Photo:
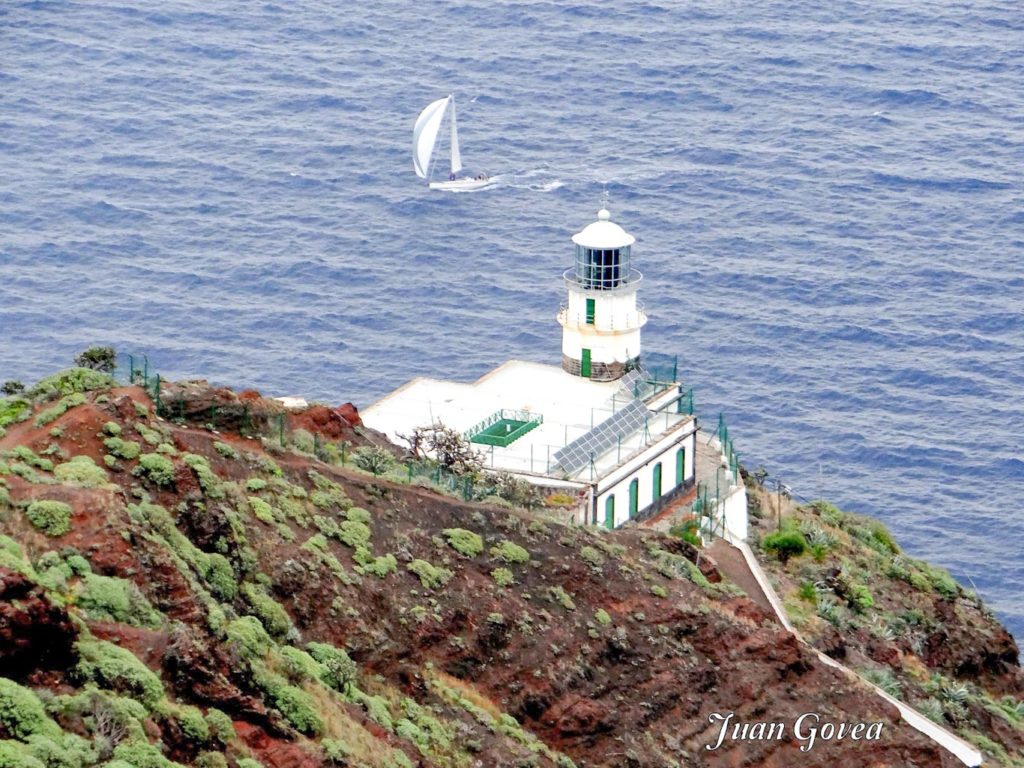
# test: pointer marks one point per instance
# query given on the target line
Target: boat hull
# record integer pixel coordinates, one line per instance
(461, 185)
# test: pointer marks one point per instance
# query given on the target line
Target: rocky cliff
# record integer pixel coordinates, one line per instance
(224, 585)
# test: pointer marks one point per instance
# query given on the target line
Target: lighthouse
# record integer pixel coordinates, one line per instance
(618, 438)
(601, 318)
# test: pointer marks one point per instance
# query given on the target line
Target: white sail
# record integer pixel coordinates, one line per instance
(424, 135)
(456, 156)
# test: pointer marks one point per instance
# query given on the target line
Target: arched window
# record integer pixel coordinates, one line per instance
(680, 465)
(609, 511)
(634, 497)
(656, 482)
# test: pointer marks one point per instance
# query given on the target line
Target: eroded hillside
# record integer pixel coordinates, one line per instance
(176, 592)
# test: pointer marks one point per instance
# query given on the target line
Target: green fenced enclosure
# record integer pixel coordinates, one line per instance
(504, 427)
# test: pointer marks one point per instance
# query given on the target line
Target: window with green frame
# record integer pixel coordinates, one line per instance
(590, 311)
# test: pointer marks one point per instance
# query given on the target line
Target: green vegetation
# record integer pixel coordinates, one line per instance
(431, 576)
(51, 517)
(159, 469)
(560, 596)
(503, 577)
(464, 542)
(225, 450)
(107, 598)
(339, 671)
(510, 552)
(63, 405)
(267, 610)
(70, 381)
(122, 449)
(592, 556)
(373, 459)
(81, 471)
(785, 544)
(22, 714)
(381, 566)
(102, 359)
(601, 617)
(118, 669)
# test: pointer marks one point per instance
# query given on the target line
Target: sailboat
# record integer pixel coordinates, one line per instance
(424, 141)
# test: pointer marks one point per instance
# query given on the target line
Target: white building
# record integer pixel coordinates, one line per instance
(600, 427)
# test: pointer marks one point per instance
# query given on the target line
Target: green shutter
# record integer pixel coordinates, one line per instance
(590, 311)
(585, 364)
(656, 482)
(680, 465)
(609, 512)
(634, 497)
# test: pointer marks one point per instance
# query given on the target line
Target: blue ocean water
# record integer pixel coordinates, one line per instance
(827, 198)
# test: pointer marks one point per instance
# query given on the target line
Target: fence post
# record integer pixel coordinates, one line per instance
(145, 375)
(246, 421)
(156, 394)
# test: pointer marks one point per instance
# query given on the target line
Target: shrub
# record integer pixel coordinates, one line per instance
(208, 479)
(123, 449)
(431, 576)
(592, 556)
(28, 456)
(785, 544)
(299, 665)
(687, 531)
(354, 533)
(261, 509)
(118, 669)
(69, 381)
(602, 617)
(16, 755)
(658, 591)
(13, 409)
(103, 359)
(339, 669)
(63, 406)
(860, 598)
(297, 706)
(373, 459)
(107, 598)
(560, 596)
(382, 566)
(220, 576)
(510, 552)
(51, 517)
(112, 428)
(464, 542)
(358, 515)
(808, 592)
(225, 450)
(248, 762)
(189, 719)
(211, 760)
(220, 725)
(502, 577)
(268, 610)
(12, 387)
(22, 714)
(255, 484)
(249, 637)
(159, 469)
(81, 470)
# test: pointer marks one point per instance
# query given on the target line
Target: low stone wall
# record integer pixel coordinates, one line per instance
(599, 371)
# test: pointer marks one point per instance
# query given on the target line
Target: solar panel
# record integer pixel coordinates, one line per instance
(636, 383)
(577, 454)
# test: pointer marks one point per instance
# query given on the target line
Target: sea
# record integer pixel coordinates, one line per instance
(827, 199)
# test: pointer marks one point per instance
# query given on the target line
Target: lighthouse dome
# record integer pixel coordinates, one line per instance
(603, 233)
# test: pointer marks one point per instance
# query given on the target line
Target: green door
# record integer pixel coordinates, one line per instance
(634, 497)
(680, 465)
(590, 311)
(609, 512)
(656, 482)
(585, 364)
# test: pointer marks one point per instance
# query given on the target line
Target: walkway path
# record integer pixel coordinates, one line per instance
(737, 561)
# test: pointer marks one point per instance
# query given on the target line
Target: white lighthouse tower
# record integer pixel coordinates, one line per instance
(601, 318)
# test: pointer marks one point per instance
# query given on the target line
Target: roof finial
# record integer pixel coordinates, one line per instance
(603, 214)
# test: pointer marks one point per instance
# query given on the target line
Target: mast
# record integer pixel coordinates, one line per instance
(456, 155)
